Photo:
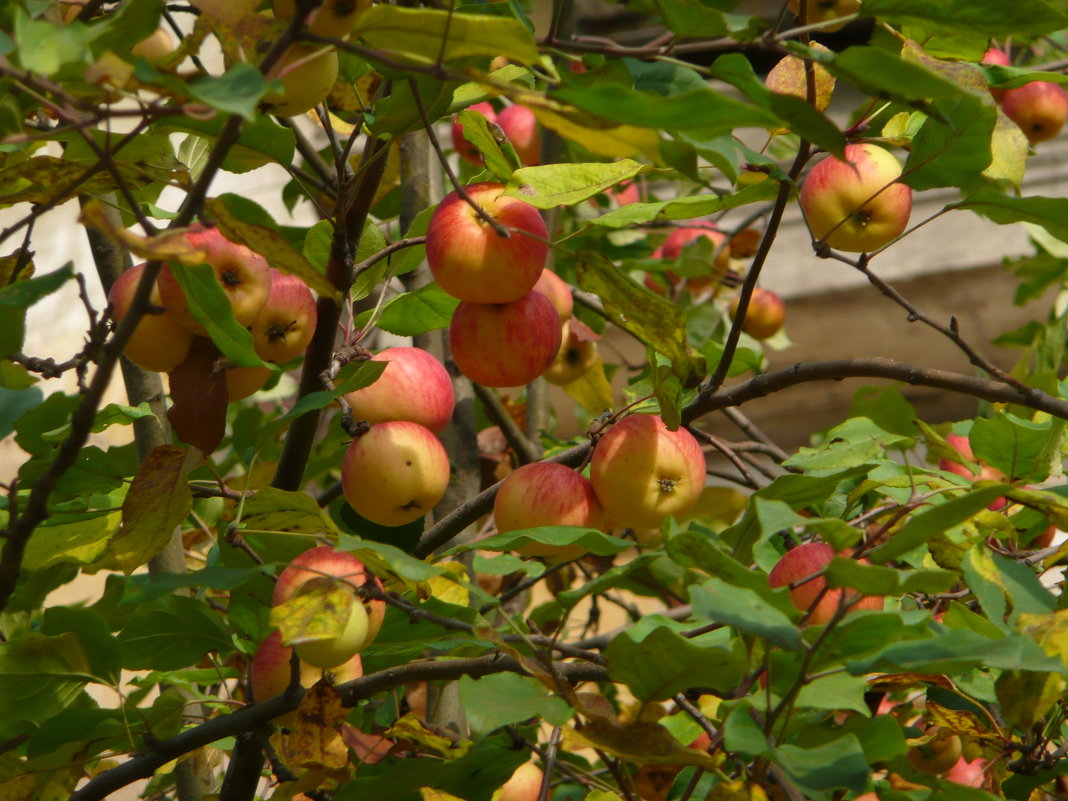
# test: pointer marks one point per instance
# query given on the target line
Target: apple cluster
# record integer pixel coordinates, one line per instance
(640, 473)
(278, 309)
(1040, 108)
(398, 471)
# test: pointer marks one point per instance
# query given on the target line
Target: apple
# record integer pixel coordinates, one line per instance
(765, 316)
(326, 560)
(244, 275)
(937, 756)
(856, 205)
(467, 257)
(285, 325)
(524, 785)
(576, 357)
(505, 344)
(642, 472)
(804, 561)
(330, 652)
(986, 472)
(160, 342)
(824, 11)
(674, 246)
(967, 773)
(521, 127)
(558, 291)
(336, 18)
(1043, 540)
(269, 672)
(414, 386)
(996, 55)
(307, 73)
(395, 473)
(546, 494)
(241, 382)
(464, 149)
(155, 47)
(1039, 108)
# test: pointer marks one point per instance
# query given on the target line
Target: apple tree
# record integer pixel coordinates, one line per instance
(339, 541)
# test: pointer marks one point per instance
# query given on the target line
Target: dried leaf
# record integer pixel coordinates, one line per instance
(199, 398)
(320, 610)
(316, 741)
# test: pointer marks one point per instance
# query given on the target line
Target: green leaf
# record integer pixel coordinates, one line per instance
(1022, 449)
(886, 407)
(596, 542)
(924, 526)
(839, 763)
(40, 675)
(499, 160)
(418, 33)
(685, 208)
(209, 304)
(854, 441)
(14, 404)
(44, 48)
(425, 309)
(171, 633)
(384, 560)
(691, 549)
(1026, 18)
(502, 698)
(237, 91)
(954, 150)
(664, 663)
(835, 691)
(745, 610)
(80, 543)
(742, 735)
(262, 141)
(554, 185)
(273, 509)
(98, 643)
(143, 587)
(613, 577)
(112, 414)
(23, 294)
(649, 317)
(879, 580)
(1046, 212)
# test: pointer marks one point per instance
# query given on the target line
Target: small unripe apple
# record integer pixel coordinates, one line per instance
(521, 127)
(1039, 108)
(505, 344)
(996, 55)
(335, 18)
(467, 257)
(414, 386)
(824, 11)
(765, 315)
(642, 472)
(243, 274)
(576, 357)
(546, 494)
(936, 756)
(557, 290)
(160, 342)
(856, 205)
(307, 73)
(395, 473)
(525, 784)
(325, 560)
(804, 561)
(464, 149)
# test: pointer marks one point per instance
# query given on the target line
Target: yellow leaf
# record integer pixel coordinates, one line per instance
(641, 743)
(600, 136)
(315, 741)
(448, 587)
(434, 794)
(319, 611)
(592, 390)
(410, 727)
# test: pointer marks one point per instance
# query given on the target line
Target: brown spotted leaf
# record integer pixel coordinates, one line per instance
(159, 499)
(788, 78)
(199, 397)
(1026, 696)
(639, 742)
(441, 741)
(315, 741)
(320, 610)
(43, 178)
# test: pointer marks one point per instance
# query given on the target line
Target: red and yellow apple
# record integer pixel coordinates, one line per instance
(521, 127)
(807, 560)
(470, 261)
(576, 357)
(414, 386)
(938, 755)
(558, 291)
(675, 245)
(996, 55)
(285, 325)
(241, 382)
(765, 315)
(986, 472)
(505, 344)
(856, 205)
(307, 73)
(243, 274)
(524, 785)
(546, 494)
(1039, 108)
(160, 342)
(642, 472)
(395, 473)
(464, 149)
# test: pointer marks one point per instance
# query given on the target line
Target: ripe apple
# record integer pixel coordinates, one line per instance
(241, 382)
(155, 47)
(546, 494)
(576, 357)
(1039, 108)
(674, 245)
(330, 652)
(804, 561)
(856, 205)
(270, 672)
(642, 472)
(996, 55)
(521, 127)
(307, 73)
(244, 275)
(505, 344)
(326, 560)
(825, 10)
(160, 342)
(936, 756)
(464, 149)
(765, 316)
(986, 472)
(525, 784)
(336, 18)
(967, 773)
(414, 386)
(558, 291)
(395, 473)
(285, 325)
(470, 261)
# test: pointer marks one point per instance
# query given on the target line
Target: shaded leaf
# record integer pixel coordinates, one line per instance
(503, 698)
(171, 633)
(664, 663)
(745, 610)
(552, 185)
